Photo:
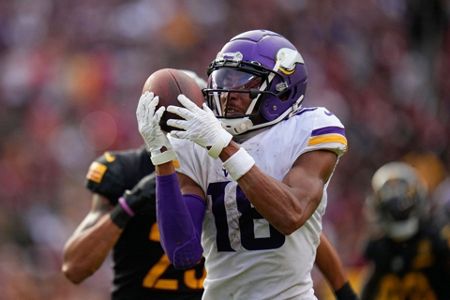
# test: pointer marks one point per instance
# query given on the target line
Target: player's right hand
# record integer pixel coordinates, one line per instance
(140, 200)
(155, 139)
(199, 125)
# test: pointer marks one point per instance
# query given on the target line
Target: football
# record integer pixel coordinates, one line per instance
(168, 84)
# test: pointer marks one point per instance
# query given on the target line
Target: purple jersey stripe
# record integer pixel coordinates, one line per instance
(327, 130)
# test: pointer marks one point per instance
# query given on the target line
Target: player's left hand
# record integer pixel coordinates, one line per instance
(140, 200)
(155, 139)
(200, 126)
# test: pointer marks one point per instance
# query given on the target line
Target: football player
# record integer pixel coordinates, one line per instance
(254, 169)
(410, 256)
(108, 177)
(141, 269)
(123, 219)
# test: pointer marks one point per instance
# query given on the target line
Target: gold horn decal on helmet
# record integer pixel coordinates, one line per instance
(288, 59)
(287, 72)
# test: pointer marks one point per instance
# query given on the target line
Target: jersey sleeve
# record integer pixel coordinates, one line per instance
(327, 133)
(106, 177)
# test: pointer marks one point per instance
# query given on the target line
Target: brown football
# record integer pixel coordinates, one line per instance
(168, 84)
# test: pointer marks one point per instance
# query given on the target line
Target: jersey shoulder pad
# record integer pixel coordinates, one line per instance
(106, 176)
(327, 131)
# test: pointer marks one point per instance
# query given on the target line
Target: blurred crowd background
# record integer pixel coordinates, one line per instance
(71, 73)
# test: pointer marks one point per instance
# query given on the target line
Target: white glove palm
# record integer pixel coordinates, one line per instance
(200, 126)
(148, 122)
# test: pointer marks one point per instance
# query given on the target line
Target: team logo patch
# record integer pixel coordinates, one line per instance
(96, 172)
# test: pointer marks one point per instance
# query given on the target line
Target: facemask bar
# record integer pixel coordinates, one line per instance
(236, 126)
(213, 94)
(225, 82)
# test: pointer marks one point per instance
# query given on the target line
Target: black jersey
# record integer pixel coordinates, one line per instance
(141, 269)
(417, 268)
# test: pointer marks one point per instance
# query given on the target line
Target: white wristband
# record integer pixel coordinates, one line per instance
(158, 158)
(239, 164)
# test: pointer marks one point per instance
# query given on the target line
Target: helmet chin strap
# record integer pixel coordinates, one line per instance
(286, 60)
(238, 126)
(296, 106)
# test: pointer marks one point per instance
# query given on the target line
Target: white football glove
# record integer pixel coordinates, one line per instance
(200, 126)
(148, 122)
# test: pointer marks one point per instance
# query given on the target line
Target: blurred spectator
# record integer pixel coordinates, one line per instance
(72, 72)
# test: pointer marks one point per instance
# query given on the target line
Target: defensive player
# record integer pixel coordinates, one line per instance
(125, 221)
(410, 257)
(253, 180)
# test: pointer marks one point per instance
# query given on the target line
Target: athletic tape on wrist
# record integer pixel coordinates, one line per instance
(346, 293)
(215, 150)
(123, 203)
(161, 158)
(239, 164)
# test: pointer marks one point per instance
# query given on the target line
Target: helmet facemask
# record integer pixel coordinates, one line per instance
(233, 93)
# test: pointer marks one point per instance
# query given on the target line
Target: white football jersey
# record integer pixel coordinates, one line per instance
(246, 257)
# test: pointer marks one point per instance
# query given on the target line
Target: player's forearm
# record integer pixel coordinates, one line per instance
(273, 200)
(86, 250)
(329, 264)
(285, 208)
(286, 204)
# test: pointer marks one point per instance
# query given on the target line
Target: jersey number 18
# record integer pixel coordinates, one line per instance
(248, 215)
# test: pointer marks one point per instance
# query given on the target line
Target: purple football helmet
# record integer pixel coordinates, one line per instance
(268, 69)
